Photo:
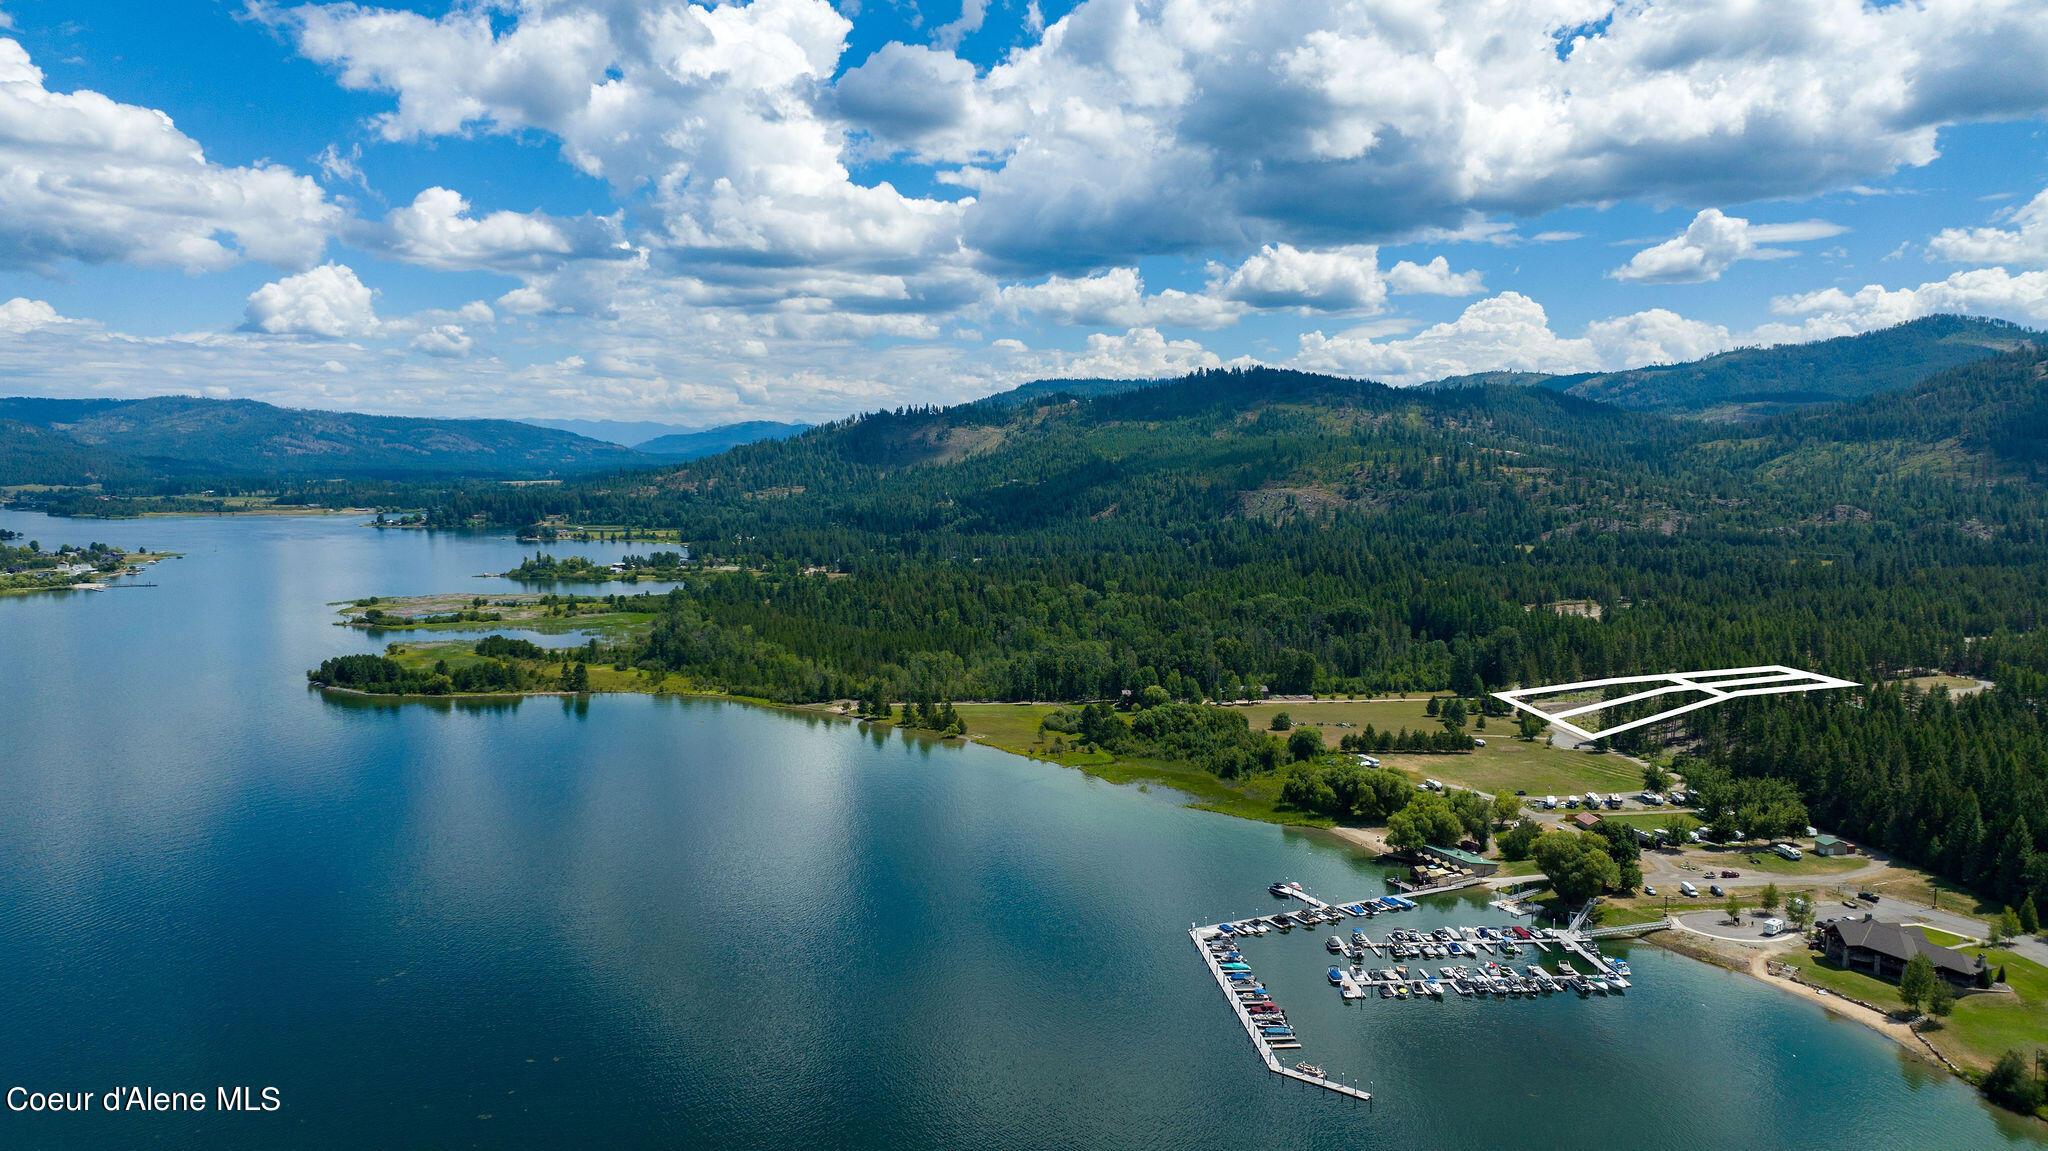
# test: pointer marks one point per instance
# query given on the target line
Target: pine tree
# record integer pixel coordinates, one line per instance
(1917, 983)
(2030, 919)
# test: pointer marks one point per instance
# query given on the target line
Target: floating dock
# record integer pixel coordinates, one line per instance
(1202, 937)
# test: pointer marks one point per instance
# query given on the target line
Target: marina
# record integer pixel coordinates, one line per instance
(1477, 962)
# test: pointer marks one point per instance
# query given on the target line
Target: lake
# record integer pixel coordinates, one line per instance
(639, 922)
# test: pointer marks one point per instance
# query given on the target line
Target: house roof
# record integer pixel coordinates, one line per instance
(1825, 840)
(1464, 857)
(1585, 819)
(1902, 941)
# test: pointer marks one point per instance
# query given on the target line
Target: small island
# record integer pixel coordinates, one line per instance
(26, 568)
(660, 565)
(549, 613)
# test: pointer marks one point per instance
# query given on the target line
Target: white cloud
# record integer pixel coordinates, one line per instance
(325, 301)
(1511, 332)
(1982, 291)
(1116, 298)
(1337, 280)
(21, 315)
(1714, 241)
(1157, 127)
(85, 178)
(444, 340)
(972, 13)
(342, 169)
(2025, 243)
(713, 113)
(1657, 336)
(1433, 279)
(1138, 354)
(437, 230)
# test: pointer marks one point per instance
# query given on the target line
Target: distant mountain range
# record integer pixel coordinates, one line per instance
(86, 441)
(711, 441)
(1759, 381)
(625, 433)
(83, 441)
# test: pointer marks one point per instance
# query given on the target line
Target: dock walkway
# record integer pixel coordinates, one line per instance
(1201, 936)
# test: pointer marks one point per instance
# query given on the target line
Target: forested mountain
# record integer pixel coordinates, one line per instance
(86, 441)
(1078, 388)
(711, 441)
(1750, 381)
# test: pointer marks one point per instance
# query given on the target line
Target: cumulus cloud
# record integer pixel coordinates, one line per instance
(1433, 279)
(1157, 127)
(2024, 243)
(1511, 332)
(1712, 242)
(1116, 298)
(325, 301)
(85, 178)
(444, 340)
(21, 315)
(1343, 279)
(437, 230)
(972, 12)
(1982, 291)
(1138, 354)
(713, 113)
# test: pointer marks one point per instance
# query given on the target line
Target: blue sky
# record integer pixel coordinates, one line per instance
(648, 209)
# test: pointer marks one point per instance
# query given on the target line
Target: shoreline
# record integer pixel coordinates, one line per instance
(1752, 964)
(1755, 964)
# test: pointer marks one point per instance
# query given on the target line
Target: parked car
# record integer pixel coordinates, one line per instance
(1477, 742)
(1649, 889)
(1731, 875)
(1870, 896)
(1715, 888)
(1519, 791)
(1688, 889)
(1848, 903)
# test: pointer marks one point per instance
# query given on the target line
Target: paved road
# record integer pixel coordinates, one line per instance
(1750, 930)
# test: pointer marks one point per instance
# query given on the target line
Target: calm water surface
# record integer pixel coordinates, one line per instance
(640, 922)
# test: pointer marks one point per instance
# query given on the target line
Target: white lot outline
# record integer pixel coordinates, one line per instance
(1722, 684)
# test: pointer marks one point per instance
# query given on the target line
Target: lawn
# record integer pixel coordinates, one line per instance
(1506, 763)
(1984, 1023)
(1944, 938)
(1771, 863)
(1915, 887)
(1953, 683)
(1013, 727)
(1651, 820)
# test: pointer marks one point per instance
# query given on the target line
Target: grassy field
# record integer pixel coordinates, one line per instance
(1953, 683)
(1916, 887)
(518, 612)
(1944, 938)
(1013, 727)
(1984, 1023)
(1651, 820)
(1770, 863)
(1506, 763)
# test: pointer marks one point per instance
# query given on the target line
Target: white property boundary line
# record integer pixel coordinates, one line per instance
(1726, 683)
